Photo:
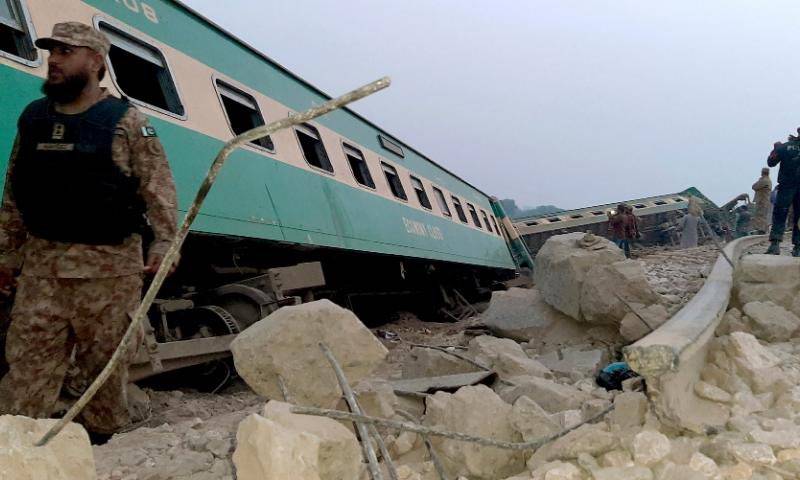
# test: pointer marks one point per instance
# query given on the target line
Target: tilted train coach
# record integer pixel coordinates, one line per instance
(336, 208)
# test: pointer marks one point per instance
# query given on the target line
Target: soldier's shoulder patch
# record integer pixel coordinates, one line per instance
(149, 131)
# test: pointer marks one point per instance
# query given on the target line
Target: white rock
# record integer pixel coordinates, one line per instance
(265, 449)
(68, 456)
(771, 322)
(567, 361)
(632, 327)
(427, 362)
(521, 314)
(376, 398)
(606, 283)
(629, 410)
(703, 464)
(650, 447)
(753, 453)
(740, 471)
(568, 418)
(588, 439)
(749, 356)
(561, 266)
(506, 357)
(339, 451)
(286, 344)
(457, 412)
(551, 396)
(616, 458)
(783, 438)
(761, 278)
(531, 420)
(711, 392)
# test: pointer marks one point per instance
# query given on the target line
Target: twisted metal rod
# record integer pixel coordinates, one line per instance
(462, 437)
(362, 427)
(194, 209)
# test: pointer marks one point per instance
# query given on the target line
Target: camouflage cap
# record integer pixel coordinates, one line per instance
(76, 34)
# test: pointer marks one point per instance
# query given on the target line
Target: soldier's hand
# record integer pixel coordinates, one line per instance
(7, 281)
(154, 262)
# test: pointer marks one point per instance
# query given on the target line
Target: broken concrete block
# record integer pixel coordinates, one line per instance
(650, 447)
(521, 314)
(632, 327)
(265, 449)
(711, 392)
(506, 357)
(568, 361)
(606, 283)
(753, 453)
(561, 266)
(286, 344)
(551, 396)
(339, 451)
(427, 362)
(457, 412)
(531, 420)
(771, 322)
(629, 410)
(68, 456)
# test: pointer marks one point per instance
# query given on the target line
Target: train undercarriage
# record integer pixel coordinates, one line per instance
(223, 285)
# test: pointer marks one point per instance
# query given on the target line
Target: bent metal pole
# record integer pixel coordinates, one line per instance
(191, 214)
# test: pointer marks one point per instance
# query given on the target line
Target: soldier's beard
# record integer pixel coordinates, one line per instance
(68, 90)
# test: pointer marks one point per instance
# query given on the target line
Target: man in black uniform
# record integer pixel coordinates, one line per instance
(788, 156)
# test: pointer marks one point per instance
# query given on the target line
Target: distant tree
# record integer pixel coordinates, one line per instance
(510, 206)
(514, 211)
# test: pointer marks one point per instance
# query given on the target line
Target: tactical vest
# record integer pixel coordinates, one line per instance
(65, 182)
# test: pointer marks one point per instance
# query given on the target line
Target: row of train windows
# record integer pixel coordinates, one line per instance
(141, 73)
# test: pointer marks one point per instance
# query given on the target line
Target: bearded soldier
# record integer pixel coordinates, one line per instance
(87, 174)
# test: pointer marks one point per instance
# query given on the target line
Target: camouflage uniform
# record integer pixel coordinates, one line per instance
(78, 296)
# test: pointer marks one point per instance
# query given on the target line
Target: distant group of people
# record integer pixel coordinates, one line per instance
(623, 227)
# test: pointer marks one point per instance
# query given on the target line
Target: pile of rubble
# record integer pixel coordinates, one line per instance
(530, 392)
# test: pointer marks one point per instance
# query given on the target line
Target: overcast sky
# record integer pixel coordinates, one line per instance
(565, 102)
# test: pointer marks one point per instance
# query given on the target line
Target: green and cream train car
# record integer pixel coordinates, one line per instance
(337, 208)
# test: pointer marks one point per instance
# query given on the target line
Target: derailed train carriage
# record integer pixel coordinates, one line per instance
(658, 219)
(335, 208)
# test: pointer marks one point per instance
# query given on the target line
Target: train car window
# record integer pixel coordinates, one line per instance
(422, 195)
(442, 202)
(242, 112)
(141, 71)
(486, 221)
(474, 214)
(391, 146)
(358, 165)
(459, 209)
(394, 181)
(496, 227)
(313, 148)
(15, 35)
